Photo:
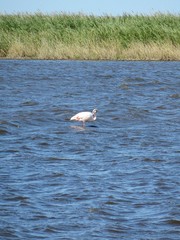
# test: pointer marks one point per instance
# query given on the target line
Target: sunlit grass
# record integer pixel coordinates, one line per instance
(68, 36)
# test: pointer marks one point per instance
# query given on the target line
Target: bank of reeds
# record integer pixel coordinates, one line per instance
(69, 36)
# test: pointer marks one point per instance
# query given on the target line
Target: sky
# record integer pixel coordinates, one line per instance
(95, 7)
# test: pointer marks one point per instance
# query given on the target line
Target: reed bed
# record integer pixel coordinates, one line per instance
(71, 36)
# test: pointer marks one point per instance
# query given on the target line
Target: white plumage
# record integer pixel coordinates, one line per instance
(85, 117)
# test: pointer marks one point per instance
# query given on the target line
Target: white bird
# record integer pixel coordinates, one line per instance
(85, 117)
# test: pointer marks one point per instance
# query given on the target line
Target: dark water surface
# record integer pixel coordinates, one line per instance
(116, 179)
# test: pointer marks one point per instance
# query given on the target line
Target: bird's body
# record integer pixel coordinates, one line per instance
(85, 116)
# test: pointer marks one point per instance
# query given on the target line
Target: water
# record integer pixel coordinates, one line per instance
(117, 178)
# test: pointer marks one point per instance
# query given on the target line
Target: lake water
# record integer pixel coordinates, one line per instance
(117, 178)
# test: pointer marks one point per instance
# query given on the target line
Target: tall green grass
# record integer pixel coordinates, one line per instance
(64, 36)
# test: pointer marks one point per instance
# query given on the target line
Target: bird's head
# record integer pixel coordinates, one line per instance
(94, 111)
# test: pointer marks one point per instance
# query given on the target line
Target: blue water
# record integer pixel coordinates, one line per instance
(117, 178)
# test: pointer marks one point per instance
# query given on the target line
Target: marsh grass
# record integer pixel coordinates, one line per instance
(69, 36)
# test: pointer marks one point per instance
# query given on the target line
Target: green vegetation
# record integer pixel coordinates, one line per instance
(68, 36)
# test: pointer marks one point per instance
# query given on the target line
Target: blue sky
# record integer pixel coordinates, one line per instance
(96, 7)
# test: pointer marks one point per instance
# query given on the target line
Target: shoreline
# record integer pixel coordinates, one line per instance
(84, 60)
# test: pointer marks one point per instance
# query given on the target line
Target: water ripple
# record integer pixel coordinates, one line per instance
(117, 178)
